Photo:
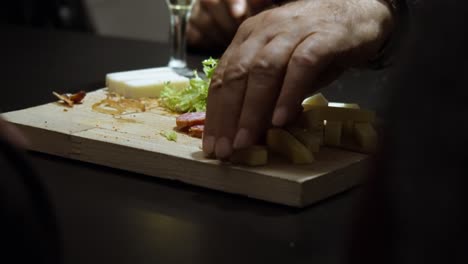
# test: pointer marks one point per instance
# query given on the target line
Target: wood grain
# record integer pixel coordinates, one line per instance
(133, 142)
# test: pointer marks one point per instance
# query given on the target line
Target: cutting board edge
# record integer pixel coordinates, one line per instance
(72, 146)
(337, 182)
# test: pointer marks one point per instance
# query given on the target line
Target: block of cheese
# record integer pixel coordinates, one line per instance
(114, 80)
(152, 86)
(144, 83)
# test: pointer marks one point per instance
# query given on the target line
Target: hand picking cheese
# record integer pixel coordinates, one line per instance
(252, 156)
(144, 83)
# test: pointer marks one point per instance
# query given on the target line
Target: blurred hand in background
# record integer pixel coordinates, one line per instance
(213, 23)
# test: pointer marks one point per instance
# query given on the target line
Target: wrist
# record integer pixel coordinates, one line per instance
(386, 53)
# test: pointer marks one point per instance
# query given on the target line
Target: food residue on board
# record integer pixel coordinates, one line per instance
(115, 104)
(70, 99)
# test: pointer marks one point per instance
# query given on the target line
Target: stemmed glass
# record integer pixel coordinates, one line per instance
(179, 12)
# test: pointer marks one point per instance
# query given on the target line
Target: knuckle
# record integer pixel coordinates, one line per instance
(216, 82)
(235, 72)
(264, 66)
(305, 59)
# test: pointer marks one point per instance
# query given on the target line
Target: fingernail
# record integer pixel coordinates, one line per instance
(280, 116)
(223, 148)
(208, 145)
(242, 139)
(238, 9)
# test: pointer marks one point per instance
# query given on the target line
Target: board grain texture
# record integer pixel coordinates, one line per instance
(134, 142)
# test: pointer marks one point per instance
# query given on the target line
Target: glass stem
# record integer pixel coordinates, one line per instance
(178, 38)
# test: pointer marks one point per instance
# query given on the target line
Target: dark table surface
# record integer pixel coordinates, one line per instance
(112, 216)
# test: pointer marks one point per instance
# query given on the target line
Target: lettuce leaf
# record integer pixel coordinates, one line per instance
(169, 135)
(193, 98)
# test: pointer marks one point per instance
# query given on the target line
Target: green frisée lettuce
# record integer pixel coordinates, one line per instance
(169, 135)
(193, 98)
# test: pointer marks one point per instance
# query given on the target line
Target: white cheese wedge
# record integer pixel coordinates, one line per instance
(144, 83)
(151, 87)
(114, 80)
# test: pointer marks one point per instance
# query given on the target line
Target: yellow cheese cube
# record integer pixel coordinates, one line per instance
(317, 113)
(332, 133)
(310, 140)
(251, 156)
(366, 136)
(314, 100)
(282, 142)
(348, 127)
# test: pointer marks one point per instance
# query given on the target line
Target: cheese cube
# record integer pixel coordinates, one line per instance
(366, 136)
(332, 133)
(251, 156)
(314, 100)
(317, 113)
(310, 140)
(282, 142)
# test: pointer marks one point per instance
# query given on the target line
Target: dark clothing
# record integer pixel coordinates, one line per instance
(415, 210)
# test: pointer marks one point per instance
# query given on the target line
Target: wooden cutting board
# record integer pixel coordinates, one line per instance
(133, 142)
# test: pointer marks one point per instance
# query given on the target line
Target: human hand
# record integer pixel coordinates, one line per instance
(11, 134)
(213, 23)
(278, 57)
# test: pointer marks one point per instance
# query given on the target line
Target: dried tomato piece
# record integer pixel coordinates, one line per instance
(190, 119)
(196, 131)
(71, 99)
(78, 97)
